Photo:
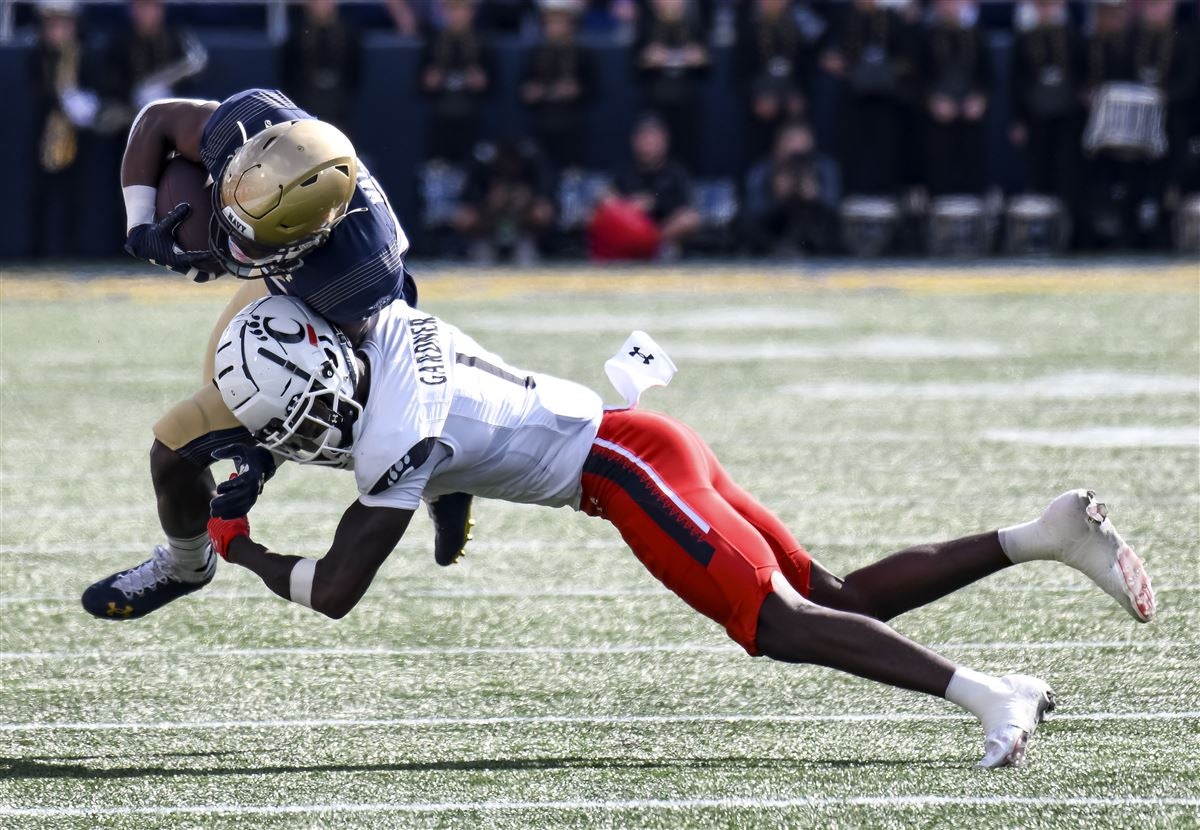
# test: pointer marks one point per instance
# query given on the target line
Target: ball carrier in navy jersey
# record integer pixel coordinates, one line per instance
(296, 213)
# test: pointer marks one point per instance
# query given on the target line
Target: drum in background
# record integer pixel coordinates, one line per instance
(1128, 120)
(869, 225)
(959, 226)
(1187, 225)
(1035, 225)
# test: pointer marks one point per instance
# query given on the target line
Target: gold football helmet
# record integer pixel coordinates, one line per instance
(280, 195)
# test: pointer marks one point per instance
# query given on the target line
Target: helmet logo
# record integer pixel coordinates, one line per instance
(233, 219)
(287, 337)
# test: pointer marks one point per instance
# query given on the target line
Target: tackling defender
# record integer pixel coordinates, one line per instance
(421, 410)
(295, 212)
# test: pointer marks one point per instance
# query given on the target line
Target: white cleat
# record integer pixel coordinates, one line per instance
(1079, 533)
(1010, 728)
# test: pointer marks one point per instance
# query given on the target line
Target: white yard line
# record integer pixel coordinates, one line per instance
(551, 594)
(609, 805)
(1068, 386)
(1091, 437)
(552, 720)
(599, 650)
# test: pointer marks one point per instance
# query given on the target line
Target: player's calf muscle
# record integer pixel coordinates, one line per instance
(183, 491)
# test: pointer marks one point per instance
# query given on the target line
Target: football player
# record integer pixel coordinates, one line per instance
(295, 212)
(421, 410)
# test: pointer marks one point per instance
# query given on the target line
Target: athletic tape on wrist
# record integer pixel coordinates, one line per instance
(139, 205)
(301, 582)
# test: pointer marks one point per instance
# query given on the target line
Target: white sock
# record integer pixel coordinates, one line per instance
(191, 556)
(1025, 542)
(976, 692)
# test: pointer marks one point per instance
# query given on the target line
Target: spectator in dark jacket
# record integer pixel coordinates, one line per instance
(558, 82)
(1128, 194)
(62, 112)
(1046, 115)
(868, 51)
(672, 58)
(791, 195)
(456, 75)
(1167, 57)
(955, 79)
(659, 185)
(322, 63)
(151, 60)
(774, 62)
(507, 202)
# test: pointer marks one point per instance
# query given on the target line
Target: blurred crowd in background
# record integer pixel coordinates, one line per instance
(1103, 110)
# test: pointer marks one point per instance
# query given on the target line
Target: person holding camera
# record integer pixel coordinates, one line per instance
(867, 52)
(456, 75)
(791, 196)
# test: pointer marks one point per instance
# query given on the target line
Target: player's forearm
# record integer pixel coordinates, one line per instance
(275, 570)
(331, 591)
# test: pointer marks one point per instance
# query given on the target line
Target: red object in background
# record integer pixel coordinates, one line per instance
(619, 229)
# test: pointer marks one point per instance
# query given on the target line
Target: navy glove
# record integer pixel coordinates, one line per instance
(155, 243)
(452, 525)
(255, 466)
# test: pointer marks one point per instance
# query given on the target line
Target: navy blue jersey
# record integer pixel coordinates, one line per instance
(361, 268)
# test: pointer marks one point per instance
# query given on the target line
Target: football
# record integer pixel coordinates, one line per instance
(186, 181)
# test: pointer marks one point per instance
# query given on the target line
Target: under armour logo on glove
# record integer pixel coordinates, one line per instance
(637, 352)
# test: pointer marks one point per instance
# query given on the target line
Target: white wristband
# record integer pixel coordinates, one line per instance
(301, 582)
(139, 205)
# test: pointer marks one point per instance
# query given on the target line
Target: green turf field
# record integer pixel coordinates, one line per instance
(548, 680)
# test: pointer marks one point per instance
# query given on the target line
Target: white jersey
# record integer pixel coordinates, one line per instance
(443, 415)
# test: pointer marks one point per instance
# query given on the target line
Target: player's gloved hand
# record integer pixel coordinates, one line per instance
(222, 532)
(452, 525)
(155, 243)
(255, 465)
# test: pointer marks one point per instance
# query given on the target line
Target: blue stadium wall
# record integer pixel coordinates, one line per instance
(389, 125)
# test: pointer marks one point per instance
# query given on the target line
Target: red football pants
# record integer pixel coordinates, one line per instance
(700, 534)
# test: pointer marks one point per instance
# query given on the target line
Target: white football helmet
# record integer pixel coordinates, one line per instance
(289, 377)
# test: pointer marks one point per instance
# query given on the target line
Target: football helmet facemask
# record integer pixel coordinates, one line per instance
(289, 377)
(280, 195)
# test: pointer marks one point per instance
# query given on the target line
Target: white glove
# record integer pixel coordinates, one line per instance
(80, 106)
(149, 92)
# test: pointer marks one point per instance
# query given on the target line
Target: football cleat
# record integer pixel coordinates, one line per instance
(1009, 729)
(1081, 535)
(452, 525)
(149, 586)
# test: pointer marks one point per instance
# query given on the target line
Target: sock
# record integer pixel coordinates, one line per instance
(1024, 542)
(191, 556)
(978, 693)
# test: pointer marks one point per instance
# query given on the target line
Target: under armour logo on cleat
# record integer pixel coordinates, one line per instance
(637, 352)
(114, 611)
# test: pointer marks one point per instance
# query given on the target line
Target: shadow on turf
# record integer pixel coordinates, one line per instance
(51, 767)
